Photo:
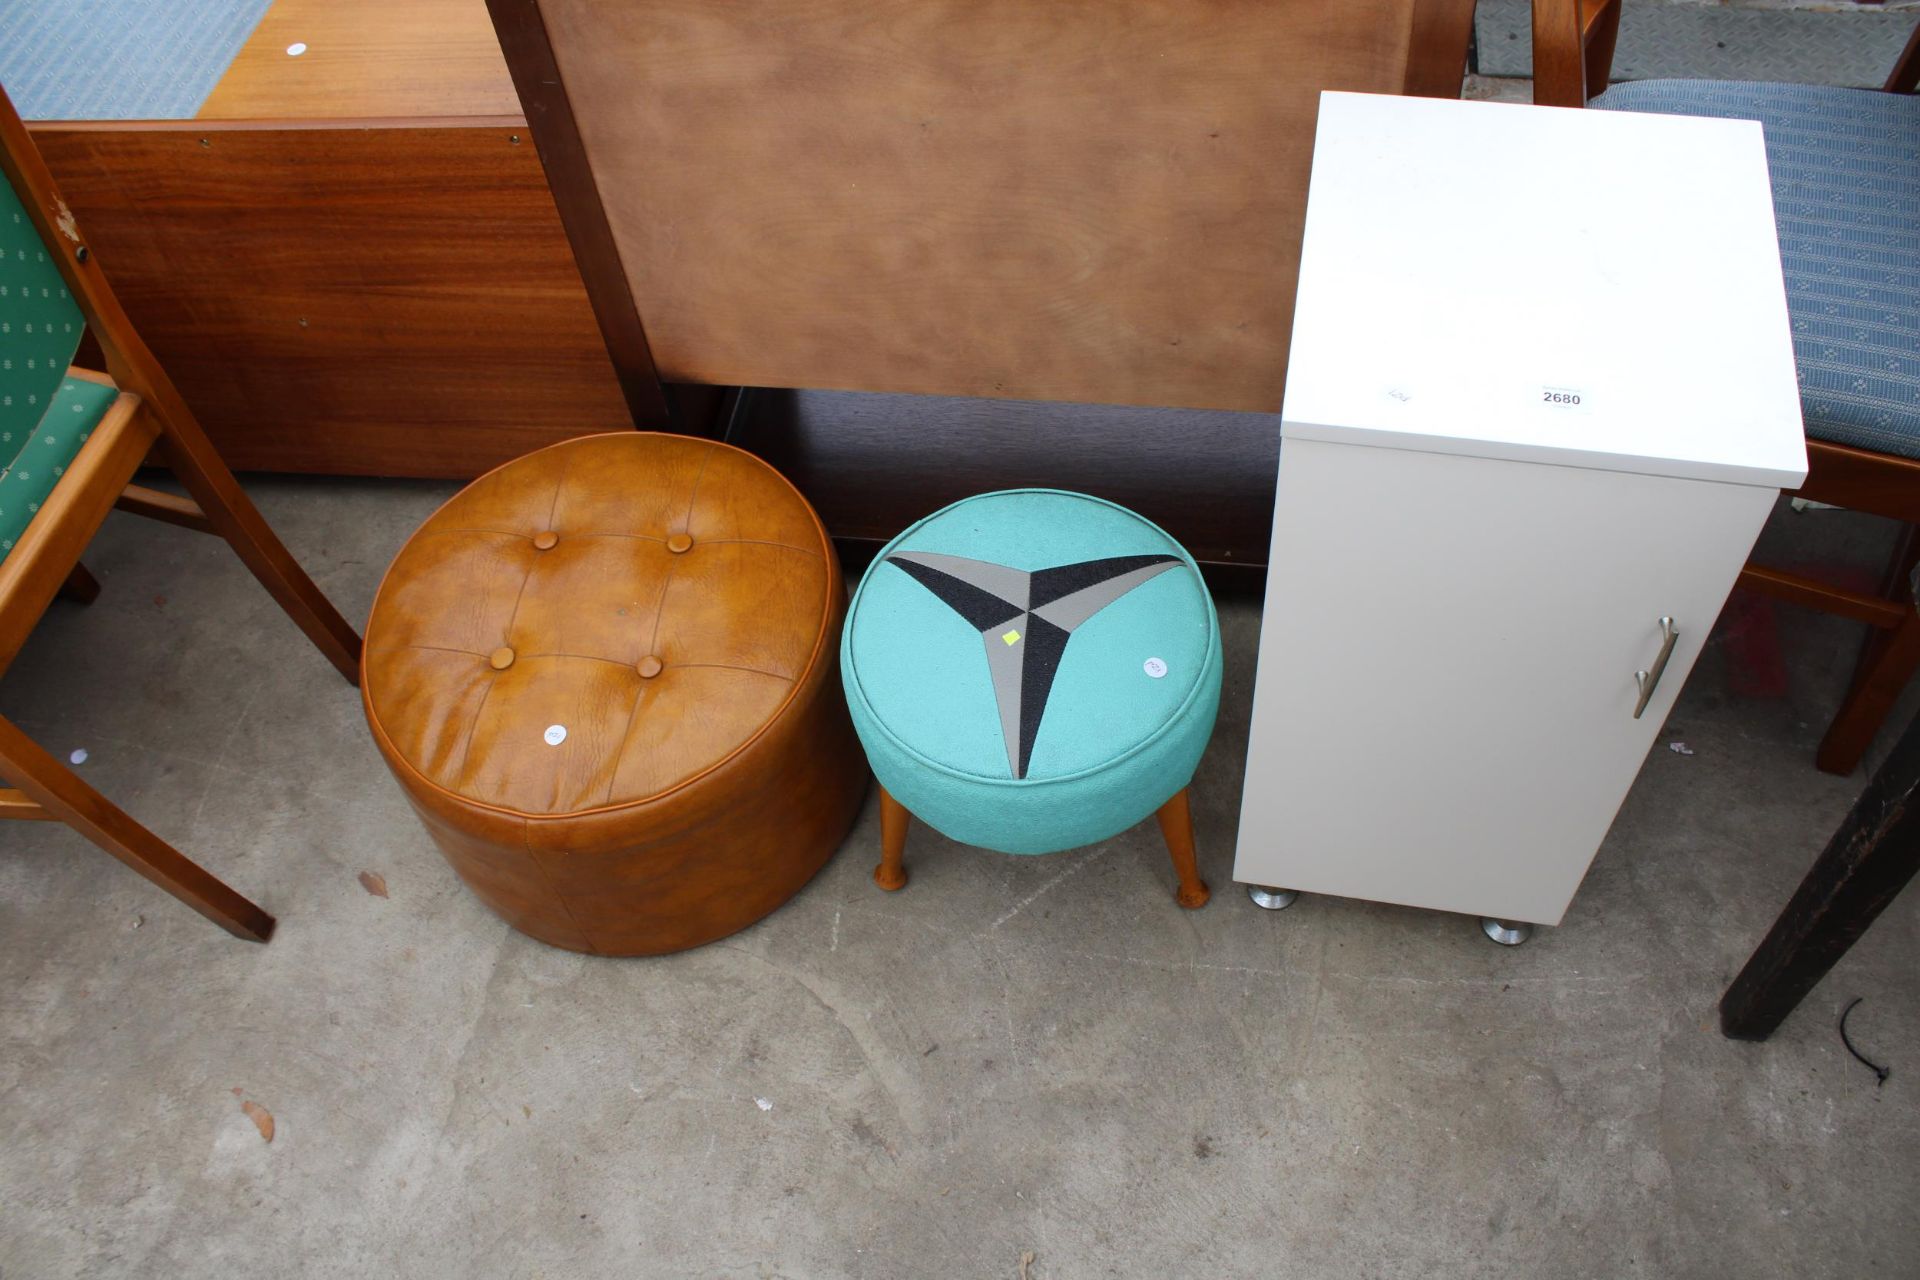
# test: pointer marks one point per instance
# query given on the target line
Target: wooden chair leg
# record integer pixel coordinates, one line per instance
(1868, 861)
(1176, 826)
(1876, 686)
(234, 517)
(60, 792)
(81, 587)
(890, 875)
(1888, 660)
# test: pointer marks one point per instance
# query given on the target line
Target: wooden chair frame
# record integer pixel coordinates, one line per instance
(147, 416)
(1573, 42)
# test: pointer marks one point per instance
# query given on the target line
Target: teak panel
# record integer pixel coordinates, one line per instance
(536, 78)
(367, 58)
(389, 300)
(1098, 202)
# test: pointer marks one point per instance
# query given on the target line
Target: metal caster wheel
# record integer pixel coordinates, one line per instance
(1508, 933)
(1272, 899)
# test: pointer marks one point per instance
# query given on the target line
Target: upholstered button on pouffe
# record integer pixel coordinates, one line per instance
(1030, 671)
(606, 677)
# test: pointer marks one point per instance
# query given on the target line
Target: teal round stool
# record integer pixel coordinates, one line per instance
(1031, 671)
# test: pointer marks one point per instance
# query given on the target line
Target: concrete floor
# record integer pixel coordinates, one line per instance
(1013, 1056)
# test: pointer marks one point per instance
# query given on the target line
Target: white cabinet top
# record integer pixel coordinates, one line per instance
(1592, 288)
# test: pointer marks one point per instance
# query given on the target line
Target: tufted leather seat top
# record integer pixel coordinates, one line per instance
(597, 624)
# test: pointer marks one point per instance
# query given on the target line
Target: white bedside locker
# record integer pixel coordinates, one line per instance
(1540, 401)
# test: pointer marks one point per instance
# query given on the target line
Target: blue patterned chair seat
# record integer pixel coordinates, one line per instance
(1846, 198)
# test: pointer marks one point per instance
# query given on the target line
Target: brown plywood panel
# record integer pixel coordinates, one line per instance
(350, 300)
(366, 59)
(1092, 202)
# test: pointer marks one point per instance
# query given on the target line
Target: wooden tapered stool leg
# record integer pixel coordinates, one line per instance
(890, 875)
(60, 792)
(1176, 826)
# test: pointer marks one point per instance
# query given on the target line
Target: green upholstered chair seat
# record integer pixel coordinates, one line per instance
(45, 416)
(1032, 670)
(34, 459)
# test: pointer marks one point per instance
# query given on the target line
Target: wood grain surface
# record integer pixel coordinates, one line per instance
(367, 58)
(1862, 480)
(523, 37)
(1097, 203)
(1561, 67)
(391, 300)
(1437, 51)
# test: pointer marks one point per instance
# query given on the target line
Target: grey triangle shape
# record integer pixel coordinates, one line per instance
(1004, 664)
(1069, 611)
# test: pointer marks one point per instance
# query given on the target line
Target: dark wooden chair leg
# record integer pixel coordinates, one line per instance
(81, 587)
(1176, 826)
(890, 875)
(56, 789)
(234, 517)
(1867, 862)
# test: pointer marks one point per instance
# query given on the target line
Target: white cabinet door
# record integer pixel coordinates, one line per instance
(1444, 715)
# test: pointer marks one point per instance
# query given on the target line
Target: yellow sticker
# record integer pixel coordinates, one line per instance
(1012, 637)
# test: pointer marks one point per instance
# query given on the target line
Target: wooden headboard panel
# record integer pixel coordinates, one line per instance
(1093, 201)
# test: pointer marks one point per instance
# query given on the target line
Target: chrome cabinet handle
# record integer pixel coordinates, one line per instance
(1650, 680)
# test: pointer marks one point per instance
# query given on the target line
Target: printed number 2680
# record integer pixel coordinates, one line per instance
(1561, 397)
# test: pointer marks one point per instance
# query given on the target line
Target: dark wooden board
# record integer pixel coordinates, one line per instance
(874, 463)
(1870, 859)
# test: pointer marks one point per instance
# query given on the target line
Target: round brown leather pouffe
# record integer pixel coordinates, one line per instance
(606, 676)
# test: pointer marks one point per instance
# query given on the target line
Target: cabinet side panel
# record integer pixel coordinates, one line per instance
(1444, 714)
